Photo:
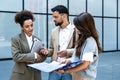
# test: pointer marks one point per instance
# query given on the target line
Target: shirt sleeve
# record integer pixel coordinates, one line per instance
(89, 49)
(88, 57)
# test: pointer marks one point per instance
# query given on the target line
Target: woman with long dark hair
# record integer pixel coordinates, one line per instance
(87, 49)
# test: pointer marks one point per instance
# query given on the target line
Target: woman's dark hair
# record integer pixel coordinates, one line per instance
(85, 24)
(20, 17)
(60, 9)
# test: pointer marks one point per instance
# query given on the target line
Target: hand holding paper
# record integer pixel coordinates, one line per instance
(47, 67)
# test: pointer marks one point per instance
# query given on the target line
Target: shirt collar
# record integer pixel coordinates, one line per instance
(28, 37)
(67, 27)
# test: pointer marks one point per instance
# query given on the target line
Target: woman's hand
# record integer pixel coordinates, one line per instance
(62, 53)
(66, 61)
(60, 71)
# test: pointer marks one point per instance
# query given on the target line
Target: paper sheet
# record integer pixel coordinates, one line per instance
(47, 67)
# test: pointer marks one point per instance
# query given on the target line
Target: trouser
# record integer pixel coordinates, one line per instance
(58, 76)
(76, 76)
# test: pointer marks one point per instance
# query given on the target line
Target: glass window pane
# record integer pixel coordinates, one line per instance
(51, 25)
(119, 34)
(98, 24)
(37, 6)
(76, 6)
(95, 7)
(110, 34)
(8, 28)
(40, 27)
(53, 3)
(119, 8)
(110, 8)
(71, 19)
(11, 5)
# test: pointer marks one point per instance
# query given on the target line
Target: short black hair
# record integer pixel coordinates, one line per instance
(60, 9)
(23, 15)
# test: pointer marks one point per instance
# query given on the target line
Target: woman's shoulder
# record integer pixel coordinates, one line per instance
(91, 40)
(16, 36)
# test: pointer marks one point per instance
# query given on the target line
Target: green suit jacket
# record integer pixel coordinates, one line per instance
(22, 56)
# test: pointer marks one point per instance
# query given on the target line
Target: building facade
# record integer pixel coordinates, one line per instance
(106, 14)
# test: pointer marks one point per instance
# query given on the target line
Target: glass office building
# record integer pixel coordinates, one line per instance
(106, 14)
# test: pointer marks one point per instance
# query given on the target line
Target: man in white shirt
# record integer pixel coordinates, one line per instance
(61, 41)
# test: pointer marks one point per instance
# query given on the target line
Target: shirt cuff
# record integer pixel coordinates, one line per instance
(35, 55)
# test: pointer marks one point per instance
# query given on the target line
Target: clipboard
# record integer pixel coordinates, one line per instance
(36, 46)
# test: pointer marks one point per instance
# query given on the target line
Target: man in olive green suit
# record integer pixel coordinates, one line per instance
(21, 49)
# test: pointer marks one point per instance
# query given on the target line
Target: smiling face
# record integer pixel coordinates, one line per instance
(28, 27)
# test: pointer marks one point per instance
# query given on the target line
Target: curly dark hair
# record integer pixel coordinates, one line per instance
(20, 17)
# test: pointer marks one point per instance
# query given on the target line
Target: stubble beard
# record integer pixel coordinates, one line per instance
(59, 24)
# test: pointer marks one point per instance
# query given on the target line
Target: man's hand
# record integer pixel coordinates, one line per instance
(62, 53)
(44, 51)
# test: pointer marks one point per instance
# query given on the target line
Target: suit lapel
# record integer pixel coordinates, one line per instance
(24, 42)
(71, 34)
(57, 37)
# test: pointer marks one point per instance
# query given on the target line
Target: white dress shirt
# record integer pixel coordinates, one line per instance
(30, 42)
(64, 35)
(29, 39)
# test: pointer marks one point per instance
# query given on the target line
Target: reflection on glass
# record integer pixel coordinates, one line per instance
(98, 24)
(40, 27)
(8, 28)
(53, 3)
(95, 7)
(76, 6)
(119, 8)
(71, 19)
(119, 34)
(37, 6)
(51, 25)
(110, 36)
(110, 8)
(11, 5)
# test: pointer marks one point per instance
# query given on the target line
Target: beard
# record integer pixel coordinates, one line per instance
(59, 24)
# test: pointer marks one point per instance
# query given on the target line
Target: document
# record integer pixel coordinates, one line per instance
(47, 67)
